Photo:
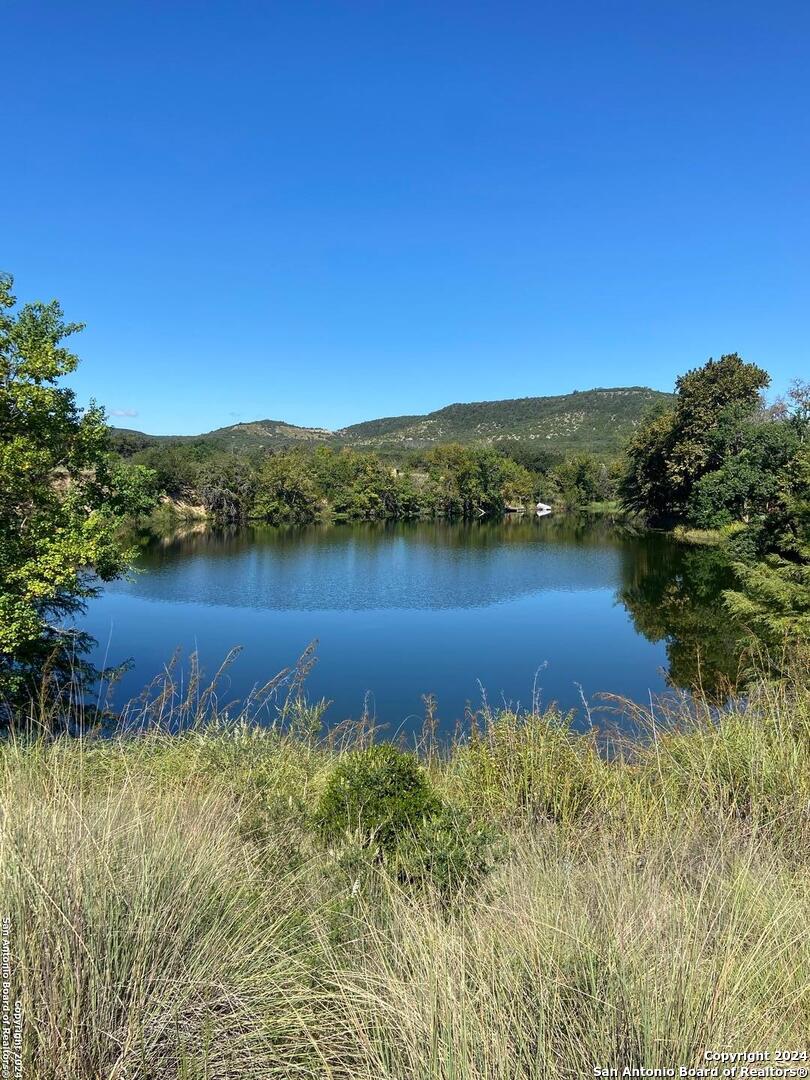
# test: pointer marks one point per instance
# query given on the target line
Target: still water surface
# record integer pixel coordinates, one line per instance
(402, 610)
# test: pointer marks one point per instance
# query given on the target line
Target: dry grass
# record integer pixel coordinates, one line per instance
(598, 957)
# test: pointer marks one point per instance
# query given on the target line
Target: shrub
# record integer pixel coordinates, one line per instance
(450, 853)
(380, 794)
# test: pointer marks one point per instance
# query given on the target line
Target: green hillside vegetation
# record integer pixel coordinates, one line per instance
(256, 435)
(465, 460)
(597, 421)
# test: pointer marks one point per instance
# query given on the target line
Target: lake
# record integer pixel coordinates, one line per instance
(563, 605)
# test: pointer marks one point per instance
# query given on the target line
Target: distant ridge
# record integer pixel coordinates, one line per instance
(600, 420)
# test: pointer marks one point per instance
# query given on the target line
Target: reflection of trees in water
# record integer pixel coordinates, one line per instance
(418, 566)
(566, 529)
(674, 594)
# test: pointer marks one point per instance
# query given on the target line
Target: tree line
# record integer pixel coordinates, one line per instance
(298, 486)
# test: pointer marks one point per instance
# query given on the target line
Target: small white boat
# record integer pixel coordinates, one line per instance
(543, 509)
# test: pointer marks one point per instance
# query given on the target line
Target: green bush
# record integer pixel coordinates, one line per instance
(380, 795)
(450, 853)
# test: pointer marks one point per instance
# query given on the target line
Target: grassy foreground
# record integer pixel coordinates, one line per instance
(175, 914)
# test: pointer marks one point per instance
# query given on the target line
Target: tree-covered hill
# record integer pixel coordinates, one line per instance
(254, 435)
(600, 420)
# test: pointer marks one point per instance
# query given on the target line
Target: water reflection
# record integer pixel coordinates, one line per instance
(678, 600)
(406, 609)
(418, 566)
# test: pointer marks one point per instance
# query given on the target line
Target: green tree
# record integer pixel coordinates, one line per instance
(579, 480)
(727, 387)
(176, 465)
(227, 489)
(645, 487)
(360, 487)
(749, 483)
(63, 496)
(773, 600)
(532, 457)
(773, 594)
(401, 497)
(470, 481)
(673, 448)
(517, 483)
(286, 490)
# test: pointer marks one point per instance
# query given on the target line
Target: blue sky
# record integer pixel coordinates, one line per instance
(325, 212)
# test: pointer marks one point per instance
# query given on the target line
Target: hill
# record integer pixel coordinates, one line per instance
(253, 435)
(599, 420)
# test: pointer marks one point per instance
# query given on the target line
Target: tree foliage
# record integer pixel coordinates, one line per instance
(286, 490)
(719, 459)
(675, 447)
(474, 481)
(62, 495)
(773, 599)
(303, 485)
(582, 479)
(227, 488)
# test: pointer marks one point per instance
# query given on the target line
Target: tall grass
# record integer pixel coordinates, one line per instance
(597, 958)
(174, 915)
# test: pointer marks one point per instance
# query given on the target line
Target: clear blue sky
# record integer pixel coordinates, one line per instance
(329, 211)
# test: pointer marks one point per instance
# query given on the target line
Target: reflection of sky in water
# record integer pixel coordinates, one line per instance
(395, 574)
(398, 612)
